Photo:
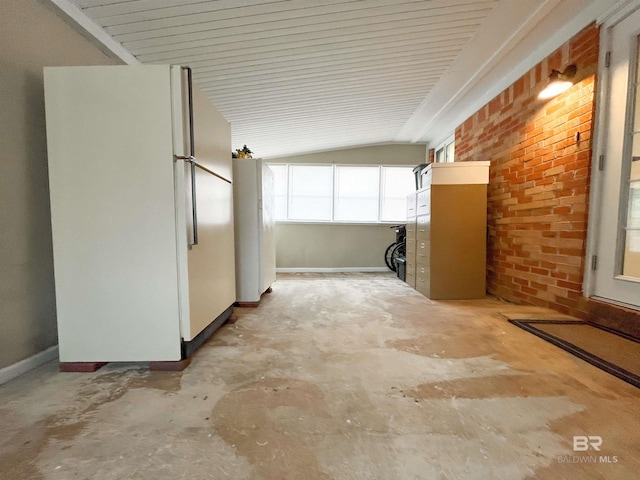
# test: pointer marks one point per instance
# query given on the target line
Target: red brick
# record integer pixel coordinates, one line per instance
(539, 180)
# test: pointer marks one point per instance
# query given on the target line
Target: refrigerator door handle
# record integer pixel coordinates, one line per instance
(192, 140)
(194, 211)
(191, 158)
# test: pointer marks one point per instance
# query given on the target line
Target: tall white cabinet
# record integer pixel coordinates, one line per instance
(254, 205)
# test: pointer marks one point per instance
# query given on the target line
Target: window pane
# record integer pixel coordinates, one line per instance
(633, 220)
(636, 123)
(397, 183)
(280, 189)
(451, 151)
(631, 253)
(310, 192)
(357, 190)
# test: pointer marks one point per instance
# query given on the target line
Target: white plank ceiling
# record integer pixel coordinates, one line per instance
(295, 76)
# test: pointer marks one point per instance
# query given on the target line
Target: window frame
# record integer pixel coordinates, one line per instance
(443, 149)
(289, 186)
(335, 190)
(334, 166)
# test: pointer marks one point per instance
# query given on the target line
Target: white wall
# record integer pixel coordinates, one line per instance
(332, 246)
(31, 36)
(300, 245)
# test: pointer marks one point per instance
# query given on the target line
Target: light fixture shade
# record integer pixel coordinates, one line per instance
(558, 82)
(555, 88)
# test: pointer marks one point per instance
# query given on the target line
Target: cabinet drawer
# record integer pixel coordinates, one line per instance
(422, 258)
(424, 202)
(410, 247)
(423, 197)
(422, 285)
(427, 177)
(411, 268)
(411, 228)
(423, 252)
(411, 205)
(421, 221)
(423, 279)
(423, 236)
(410, 278)
(423, 230)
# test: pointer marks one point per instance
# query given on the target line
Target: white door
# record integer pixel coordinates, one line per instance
(617, 274)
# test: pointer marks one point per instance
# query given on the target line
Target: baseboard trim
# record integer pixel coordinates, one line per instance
(23, 366)
(333, 270)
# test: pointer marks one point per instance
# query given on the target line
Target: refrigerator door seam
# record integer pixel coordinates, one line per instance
(180, 195)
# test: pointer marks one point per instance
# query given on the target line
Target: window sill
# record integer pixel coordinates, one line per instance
(359, 224)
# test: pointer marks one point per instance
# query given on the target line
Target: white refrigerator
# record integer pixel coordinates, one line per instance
(254, 202)
(140, 180)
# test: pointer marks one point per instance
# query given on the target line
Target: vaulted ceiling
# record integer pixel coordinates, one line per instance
(295, 76)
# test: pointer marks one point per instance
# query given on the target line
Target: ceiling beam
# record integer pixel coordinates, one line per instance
(87, 26)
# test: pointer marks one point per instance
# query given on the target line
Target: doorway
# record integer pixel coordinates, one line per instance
(616, 259)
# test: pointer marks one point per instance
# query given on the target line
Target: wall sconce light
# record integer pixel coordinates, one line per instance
(559, 82)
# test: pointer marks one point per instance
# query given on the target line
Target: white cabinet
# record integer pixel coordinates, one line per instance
(254, 205)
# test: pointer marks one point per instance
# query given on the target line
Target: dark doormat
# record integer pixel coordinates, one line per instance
(610, 350)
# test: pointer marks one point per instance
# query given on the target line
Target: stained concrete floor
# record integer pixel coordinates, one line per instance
(344, 376)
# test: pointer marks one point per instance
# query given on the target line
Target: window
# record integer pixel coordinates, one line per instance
(451, 148)
(310, 192)
(445, 151)
(357, 193)
(342, 193)
(280, 190)
(397, 183)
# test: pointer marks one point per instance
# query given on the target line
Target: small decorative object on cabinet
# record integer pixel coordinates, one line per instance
(254, 204)
(448, 219)
(243, 152)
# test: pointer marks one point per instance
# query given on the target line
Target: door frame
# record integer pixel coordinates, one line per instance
(619, 12)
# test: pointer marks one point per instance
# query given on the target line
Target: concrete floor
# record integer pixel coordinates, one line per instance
(345, 376)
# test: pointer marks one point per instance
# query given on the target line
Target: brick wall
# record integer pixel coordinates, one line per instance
(540, 153)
